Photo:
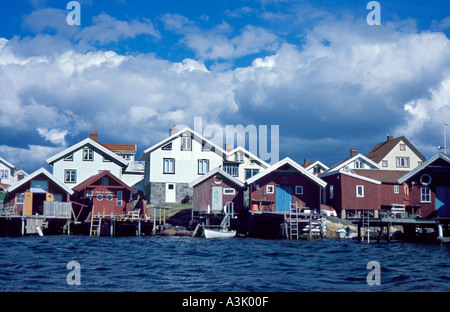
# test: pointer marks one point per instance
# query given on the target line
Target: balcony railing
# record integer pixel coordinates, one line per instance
(57, 209)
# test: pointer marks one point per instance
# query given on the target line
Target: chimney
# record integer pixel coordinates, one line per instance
(306, 161)
(353, 152)
(94, 136)
(228, 147)
(173, 131)
(389, 138)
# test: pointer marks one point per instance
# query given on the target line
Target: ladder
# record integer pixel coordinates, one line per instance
(293, 222)
(96, 223)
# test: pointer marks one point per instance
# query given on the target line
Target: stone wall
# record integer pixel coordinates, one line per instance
(156, 192)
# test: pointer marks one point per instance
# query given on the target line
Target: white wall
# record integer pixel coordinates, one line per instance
(396, 152)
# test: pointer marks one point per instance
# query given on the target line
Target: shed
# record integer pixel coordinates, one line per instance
(283, 184)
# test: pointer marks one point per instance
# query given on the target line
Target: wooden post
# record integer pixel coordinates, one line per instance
(359, 231)
(381, 233)
(388, 233)
(111, 229)
(310, 225)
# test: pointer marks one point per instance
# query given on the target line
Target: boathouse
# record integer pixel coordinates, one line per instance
(429, 186)
(217, 193)
(283, 184)
(103, 193)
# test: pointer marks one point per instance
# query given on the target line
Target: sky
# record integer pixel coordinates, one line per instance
(133, 69)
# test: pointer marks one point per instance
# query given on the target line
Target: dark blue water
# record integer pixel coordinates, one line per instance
(231, 265)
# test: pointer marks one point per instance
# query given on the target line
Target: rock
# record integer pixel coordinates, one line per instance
(169, 232)
(183, 233)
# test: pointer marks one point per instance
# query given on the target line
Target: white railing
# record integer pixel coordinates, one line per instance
(57, 209)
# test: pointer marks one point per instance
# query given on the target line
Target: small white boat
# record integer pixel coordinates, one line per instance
(346, 233)
(218, 233)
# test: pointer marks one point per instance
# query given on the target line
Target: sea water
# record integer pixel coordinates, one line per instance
(186, 264)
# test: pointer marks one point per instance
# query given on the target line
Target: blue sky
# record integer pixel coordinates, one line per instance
(133, 69)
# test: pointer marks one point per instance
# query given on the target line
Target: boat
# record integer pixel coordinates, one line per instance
(346, 233)
(218, 233)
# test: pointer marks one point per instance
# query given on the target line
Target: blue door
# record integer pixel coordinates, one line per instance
(283, 198)
(443, 201)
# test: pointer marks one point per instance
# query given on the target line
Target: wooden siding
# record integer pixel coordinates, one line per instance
(267, 202)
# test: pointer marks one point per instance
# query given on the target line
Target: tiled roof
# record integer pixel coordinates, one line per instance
(120, 147)
(386, 176)
(382, 149)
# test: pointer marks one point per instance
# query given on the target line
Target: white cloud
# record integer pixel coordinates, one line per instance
(55, 136)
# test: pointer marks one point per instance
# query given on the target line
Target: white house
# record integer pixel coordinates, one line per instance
(173, 163)
(396, 154)
(87, 158)
(7, 172)
(355, 161)
(315, 167)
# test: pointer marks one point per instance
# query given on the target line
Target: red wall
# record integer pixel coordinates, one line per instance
(311, 190)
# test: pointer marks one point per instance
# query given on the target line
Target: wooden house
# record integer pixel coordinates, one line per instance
(103, 193)
(7, 172)
(80, 161)
(40, 193)
(217, 193)
(429, 186)
(283, 184)
(396, 154)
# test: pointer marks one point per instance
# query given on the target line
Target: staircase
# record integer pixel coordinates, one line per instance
(293, 230)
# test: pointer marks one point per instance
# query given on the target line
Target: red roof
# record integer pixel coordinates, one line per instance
(119, 147)
(386, 176)
(382, 149)
(97, 177)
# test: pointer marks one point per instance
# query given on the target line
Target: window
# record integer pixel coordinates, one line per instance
(105, 181)
(403, 162)
(69, 158)
(250, 173)
(359, 164)
(186, 143)
(396, 189)
(269, 189)
(58, 198)
(70, 176)
(39, 184)
(90, 194)
(4, 174)
(119, 200)
(425, 196)
(167, 147)
(88, 154)
(403, 147)
(384, 163)
(232, 170)
(99, 197)
(299, 190)
(239, 157)
(229, 191)
(109, 197)
(331, 191)
(203, 166)
(169, 166)
(20, 198)
(360, 191)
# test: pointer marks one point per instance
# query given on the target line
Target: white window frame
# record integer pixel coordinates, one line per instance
(359, 164)
(72, 176)
(229, 191)
(203, 166)
(88, 154)
(358, 193)
(396, 189)
(384, 163)
(4, 174)
(402, 147)
(331, 191)
(170, 167)
(425, 195)
(269, 189)
(90, 194)
(20, 198)
(186, 143)
(298, 190)
(403, 162)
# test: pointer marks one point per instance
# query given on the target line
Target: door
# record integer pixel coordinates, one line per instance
(216, 198)
(171, 195)
(443, 201)
(28, 206)
(283, 198)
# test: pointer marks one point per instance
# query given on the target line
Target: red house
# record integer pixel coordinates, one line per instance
(216, 193)
(283, 184)
(429, 186)
(102, 193)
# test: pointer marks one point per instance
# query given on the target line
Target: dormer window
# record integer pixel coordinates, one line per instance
(88, 154)
(403, 147)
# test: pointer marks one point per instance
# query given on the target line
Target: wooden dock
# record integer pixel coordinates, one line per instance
(436, 229)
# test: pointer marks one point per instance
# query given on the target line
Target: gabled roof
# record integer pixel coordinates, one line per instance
(7, 164)
(35, 174)
(382, 149)
(3, 187)
(294, 165)
(424, 165)
(349, 160)
(83, 143)
(217, 170)
(350, 173)
(120, 147)
(317, 162)
(99, 176)
(218, 150)
(250, 154)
